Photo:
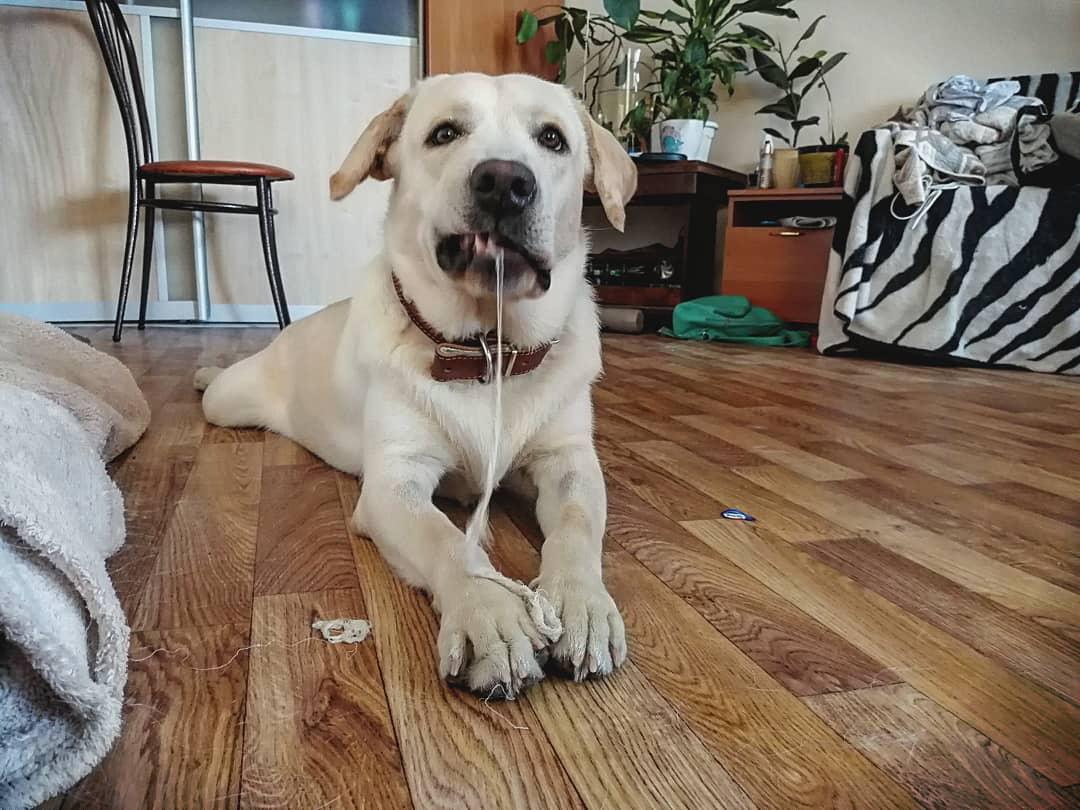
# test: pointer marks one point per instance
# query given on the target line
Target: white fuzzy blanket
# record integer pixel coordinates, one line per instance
(64, 410)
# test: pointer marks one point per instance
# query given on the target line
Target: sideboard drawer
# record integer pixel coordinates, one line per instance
(781, 272)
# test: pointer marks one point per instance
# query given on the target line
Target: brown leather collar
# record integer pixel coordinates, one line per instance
(473, 358)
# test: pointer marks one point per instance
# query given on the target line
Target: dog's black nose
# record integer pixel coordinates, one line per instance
(503, 187)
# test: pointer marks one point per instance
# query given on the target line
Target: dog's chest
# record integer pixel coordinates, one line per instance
(467, 415)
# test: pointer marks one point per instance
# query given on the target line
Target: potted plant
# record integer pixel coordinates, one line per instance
(694, 46)
(797, 76)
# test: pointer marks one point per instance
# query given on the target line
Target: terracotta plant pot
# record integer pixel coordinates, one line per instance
(786, 168)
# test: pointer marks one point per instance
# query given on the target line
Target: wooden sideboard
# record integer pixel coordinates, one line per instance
(777, 267)
(702, 188)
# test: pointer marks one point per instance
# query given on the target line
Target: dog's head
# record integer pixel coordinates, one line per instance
(485, 162)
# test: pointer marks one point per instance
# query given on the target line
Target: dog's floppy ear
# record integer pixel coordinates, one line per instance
(367, 158)
(613, 175)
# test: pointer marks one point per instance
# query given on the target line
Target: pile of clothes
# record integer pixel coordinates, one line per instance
(967, 132)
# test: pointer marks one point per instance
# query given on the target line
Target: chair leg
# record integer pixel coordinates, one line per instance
(269, 245)
(148, 255)
(129, 257)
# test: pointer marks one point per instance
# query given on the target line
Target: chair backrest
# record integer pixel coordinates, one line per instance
(118, 52)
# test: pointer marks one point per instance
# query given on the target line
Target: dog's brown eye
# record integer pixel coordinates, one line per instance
(551, 138)
(443, 134)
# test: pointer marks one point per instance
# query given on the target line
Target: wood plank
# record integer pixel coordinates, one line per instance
(184, 714)
(810, 465)
(774, 748)
(151, 492)
(203, 574)
(622, 744)
(941, 760)
(1021, 553)
(1014, 589)
(960, 501)
(279, 451)
(709, 382)
(458, 750)
(1004, 469)
(796, 650)
(318, 731)
(1010, 639)
(302, 542)
(1059, 508)
(669, 428)
(787, 519)
(670, 496)
(1034, 724)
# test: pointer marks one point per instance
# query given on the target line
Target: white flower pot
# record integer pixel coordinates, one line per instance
(685, 137)
(680, 136)
(706, 140)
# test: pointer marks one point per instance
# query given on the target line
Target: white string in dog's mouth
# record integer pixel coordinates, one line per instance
(478, 521)
(540, 609)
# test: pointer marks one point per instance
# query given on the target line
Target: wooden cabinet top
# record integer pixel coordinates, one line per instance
(671, 181)
(832, 193)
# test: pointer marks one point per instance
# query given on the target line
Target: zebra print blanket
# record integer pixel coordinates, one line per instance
(989, 275)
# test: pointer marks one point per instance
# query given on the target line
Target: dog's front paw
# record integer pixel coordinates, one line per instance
(593, 640)
(488, 641)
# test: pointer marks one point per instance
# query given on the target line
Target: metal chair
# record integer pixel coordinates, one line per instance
(145, 174)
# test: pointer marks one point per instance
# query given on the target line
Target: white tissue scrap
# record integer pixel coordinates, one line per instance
(343, 631)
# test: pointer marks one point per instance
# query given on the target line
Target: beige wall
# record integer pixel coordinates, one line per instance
(63, 212)
(297, 102)
(897, 48)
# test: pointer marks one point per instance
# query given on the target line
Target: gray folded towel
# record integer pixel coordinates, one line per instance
(64, 408)
(809, 223)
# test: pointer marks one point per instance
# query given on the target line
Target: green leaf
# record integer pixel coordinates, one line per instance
(773, 7)
(643, 36)
(804, 68)
(668, 83)
(769, 70)
(676, 17)
(694, 54)
(527, 27)
(805, 122)
(779, 109)
(555, 52)
(564, 32)
(832, 62)
(756, 33)
(623, 12)
(776, 134)
(808, 33)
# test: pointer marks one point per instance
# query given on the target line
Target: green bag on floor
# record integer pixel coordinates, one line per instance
(732, 319)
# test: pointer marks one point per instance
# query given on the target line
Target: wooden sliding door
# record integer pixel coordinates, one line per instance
(478, 35)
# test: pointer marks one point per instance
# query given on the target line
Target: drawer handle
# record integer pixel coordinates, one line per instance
(785, 233)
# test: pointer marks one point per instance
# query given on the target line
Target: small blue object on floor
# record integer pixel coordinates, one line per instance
(737, 514)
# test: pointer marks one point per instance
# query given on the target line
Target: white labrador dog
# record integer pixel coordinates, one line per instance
(478, 163)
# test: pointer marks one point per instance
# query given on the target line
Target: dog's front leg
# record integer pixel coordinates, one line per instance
(571, 506)
(487, 638)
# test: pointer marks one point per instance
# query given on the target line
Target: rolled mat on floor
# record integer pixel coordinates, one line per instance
(65, 409)
(622, 319)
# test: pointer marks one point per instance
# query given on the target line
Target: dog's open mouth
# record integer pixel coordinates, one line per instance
(474, 254)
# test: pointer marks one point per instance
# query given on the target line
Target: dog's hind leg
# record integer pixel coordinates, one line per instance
(246, 394)
(205, 376)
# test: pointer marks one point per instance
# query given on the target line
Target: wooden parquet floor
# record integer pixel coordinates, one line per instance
(899, 627)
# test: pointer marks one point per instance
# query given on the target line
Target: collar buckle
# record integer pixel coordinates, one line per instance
(508, 350)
